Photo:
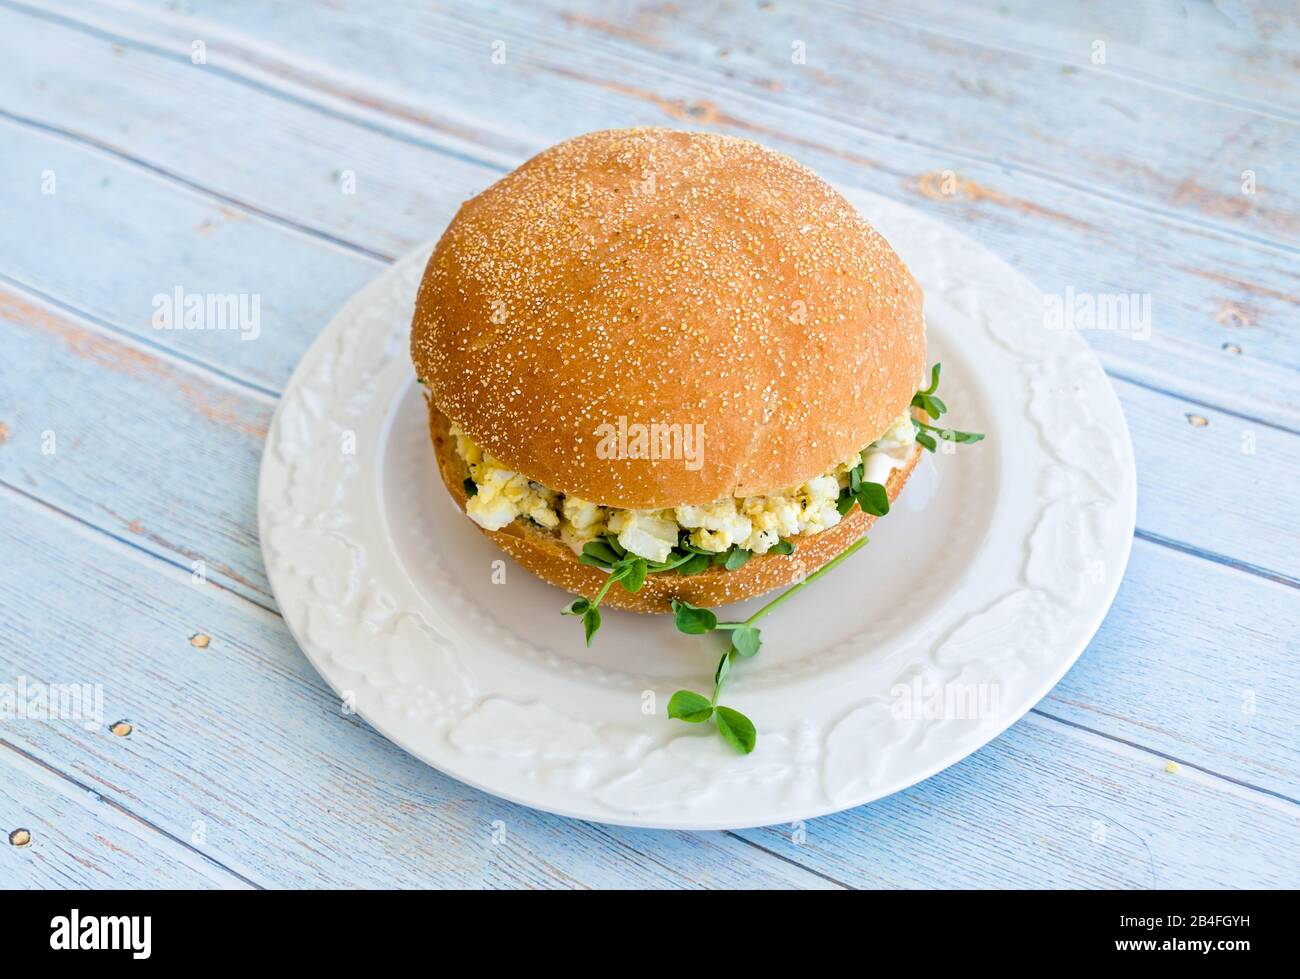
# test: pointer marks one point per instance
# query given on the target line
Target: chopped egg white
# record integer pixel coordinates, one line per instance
(650, 534)
(502, 494)
(715, 526)
(754, 523)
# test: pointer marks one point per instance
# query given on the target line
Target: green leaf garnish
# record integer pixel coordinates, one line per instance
(589, 613)
(635, 577)
(693, 620)
(934, 407)
(471, 487)
(948, 434)
(576, 607)
(601, 551)
(693, 708)
(695, 564)
(736, 728)
(720, 674)
(873, 498)
(590, 623)
(688, 559)
(746, 640)
(736, 558)
(630, 571)
(934, 381)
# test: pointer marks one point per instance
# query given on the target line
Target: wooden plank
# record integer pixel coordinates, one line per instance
(241, 734)
(1048, 806)
(1195, 665)
(237, 142)
(151, 237)
(76, 838)
(1240, 54)
(994, 91)
(145, 447)
(1164, 655)
(206, 510)
(1214, 480)
(1208, 291)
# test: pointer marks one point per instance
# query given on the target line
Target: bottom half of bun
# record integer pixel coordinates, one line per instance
(548, 557)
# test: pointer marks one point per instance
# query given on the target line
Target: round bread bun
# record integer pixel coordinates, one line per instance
(660, 277)
(545, 555)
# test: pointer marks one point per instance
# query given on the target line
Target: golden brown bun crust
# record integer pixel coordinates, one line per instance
(550, 558)
(667, 277)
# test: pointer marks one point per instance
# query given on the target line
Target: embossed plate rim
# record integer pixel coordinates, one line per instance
(371, 636)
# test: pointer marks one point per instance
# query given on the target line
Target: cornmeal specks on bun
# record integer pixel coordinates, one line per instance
(679, 346)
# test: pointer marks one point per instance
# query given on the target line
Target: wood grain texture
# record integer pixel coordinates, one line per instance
(242, 735)
(1043, 806)
(1210, 479)
(877, 63)
(205, 510)
(1243, 54)
(148, 237)
(1211, 288)
(78, 837)
(226, 177)
(1191, 660)
(139, 445)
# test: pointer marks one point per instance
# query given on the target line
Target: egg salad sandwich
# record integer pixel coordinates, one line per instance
(669, 370)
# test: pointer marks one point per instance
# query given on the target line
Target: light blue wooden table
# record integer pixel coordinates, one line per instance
(291, 150)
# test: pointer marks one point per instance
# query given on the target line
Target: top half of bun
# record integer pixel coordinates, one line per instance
(658, 277)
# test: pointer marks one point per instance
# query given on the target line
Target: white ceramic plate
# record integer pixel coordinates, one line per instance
(973, 598)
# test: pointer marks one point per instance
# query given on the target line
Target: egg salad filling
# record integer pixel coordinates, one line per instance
(499, 495)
